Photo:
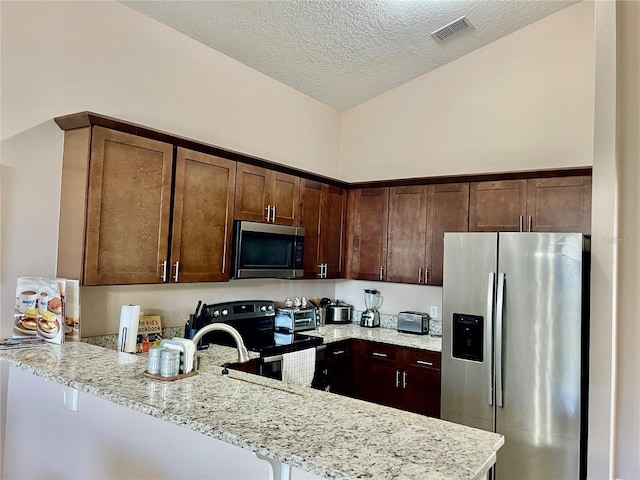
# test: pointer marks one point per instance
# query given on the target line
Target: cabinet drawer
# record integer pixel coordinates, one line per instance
(381, 353)
(422, 359)
(338, 350)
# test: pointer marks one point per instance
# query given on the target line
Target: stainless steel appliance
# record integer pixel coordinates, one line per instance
(264, 250)
(338, 312)
(255, 321)
(514, 346)
(413, 322)
(296, 319)
(372, 301)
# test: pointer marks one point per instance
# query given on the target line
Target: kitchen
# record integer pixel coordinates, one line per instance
(30, 136)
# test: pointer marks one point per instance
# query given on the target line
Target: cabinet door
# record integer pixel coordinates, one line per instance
(284, 198)
(368, 243)
(421, 382)
(448, 211)
(559, 205)
(378, 375)
(497, 206)
(252, 193)
(202, 217)
(310, 199)
(332, 222)
(128, 209)
(407, 234)
(339, 367)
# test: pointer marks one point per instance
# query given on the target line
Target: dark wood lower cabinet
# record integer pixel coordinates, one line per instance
(398, 377)
(338, 367)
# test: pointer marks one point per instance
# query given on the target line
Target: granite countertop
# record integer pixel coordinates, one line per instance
(319, 432)
(336, 332)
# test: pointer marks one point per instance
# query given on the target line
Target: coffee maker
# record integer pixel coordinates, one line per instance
(372, 301)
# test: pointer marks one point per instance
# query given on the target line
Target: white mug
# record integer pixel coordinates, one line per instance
(27, 300)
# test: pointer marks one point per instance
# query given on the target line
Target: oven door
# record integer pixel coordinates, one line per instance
(263, 250)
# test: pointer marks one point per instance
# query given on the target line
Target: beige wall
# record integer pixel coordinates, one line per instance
(64, 57)
(522, 102)
(627, 438)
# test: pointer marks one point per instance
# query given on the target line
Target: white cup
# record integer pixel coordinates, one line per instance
(43, 299)
(27, 300)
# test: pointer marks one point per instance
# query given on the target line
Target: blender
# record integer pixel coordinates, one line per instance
(373, 301)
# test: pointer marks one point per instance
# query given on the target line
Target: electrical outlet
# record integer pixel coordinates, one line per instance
(434, 311)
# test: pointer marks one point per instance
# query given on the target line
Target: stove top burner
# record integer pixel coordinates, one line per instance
(254, 320)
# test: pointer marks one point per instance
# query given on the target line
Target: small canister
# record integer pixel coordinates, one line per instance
(153, 360)
(170, 362)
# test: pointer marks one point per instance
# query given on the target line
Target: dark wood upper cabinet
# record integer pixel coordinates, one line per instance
(447, 211)
(128, 197)
(202, 217)
(497, 206)
(418, 218)
(554, 204)
(407, 247)
(322, 215)
(367, 222)
(559, 205)
(264, 195)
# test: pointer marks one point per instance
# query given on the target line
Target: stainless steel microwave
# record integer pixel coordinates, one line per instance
(265, 250)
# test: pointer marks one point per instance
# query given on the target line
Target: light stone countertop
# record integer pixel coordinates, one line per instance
(319, 432)
(336, 332)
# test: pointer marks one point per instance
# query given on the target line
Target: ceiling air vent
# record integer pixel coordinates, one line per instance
(451, 29)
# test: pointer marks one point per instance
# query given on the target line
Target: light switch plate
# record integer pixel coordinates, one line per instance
(434, 311)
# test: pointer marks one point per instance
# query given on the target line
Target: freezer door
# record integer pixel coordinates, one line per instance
(470, 261)
(540, 361)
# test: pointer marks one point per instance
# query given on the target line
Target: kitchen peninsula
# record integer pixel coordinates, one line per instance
(318, 434)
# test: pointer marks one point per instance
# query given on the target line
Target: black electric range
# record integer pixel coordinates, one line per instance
(254, 320)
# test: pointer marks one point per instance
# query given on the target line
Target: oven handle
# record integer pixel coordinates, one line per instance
(277, 358)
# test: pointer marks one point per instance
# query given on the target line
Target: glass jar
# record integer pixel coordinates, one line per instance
(169, 362)
(153, 360)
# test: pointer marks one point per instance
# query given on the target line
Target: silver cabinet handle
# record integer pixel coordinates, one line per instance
(424, 362)
(338, 352)
(498, 340)
(530, 222)
(377, 354)
(163, 277)
(273, 214)
(324, 270)
(268, 216)
(426, 276)
(404, 379)
(420, 275)
(177, 265)
(521, 222)
(397, 378)
(381, 272)
(321, 267)
(488, 341)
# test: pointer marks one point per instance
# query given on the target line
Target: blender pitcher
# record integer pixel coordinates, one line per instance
(372, 301)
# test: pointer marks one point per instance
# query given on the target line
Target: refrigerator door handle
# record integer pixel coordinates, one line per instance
(489, 337)
(498, 341)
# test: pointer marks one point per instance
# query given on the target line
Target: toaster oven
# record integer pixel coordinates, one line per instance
(296, 319)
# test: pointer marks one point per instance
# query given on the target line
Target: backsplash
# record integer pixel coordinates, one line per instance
(391, 321)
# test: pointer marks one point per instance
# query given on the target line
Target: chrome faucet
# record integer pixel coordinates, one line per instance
(243, 354)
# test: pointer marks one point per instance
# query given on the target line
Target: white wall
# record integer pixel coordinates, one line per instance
(524, 102)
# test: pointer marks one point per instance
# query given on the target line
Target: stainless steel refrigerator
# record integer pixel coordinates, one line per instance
(514, 347)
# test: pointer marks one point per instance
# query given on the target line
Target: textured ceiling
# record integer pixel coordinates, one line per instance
(343, 53)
